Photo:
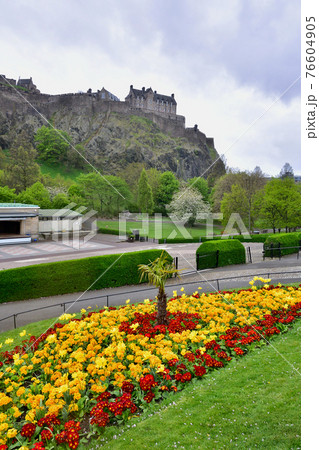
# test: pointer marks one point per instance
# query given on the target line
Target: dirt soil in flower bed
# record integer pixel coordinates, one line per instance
(67, 385)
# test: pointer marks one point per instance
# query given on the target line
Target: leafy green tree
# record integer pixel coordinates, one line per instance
(235, 201)
(36, 194)
(187, 204)
(131, 174)
(52, 145)
(22, 170)
(60, 201)
(169, 184)
(157, 273)
(280, 204)
(145, 196)
(250, 182)
(154, 178)
(201, 185)
(7, 195)
(107, 194)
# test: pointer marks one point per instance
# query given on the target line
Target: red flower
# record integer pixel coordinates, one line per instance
(28, 430)
(147, 382)
(239, 351)
(149, 397)
(127, 386)
(199, 371)
(187, 376)
(46, 435)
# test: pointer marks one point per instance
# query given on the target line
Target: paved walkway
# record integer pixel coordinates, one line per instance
(209, 280)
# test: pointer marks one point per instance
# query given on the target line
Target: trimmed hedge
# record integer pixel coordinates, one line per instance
(62, 277)
(283, 240)
(239, 237)
(231, 251)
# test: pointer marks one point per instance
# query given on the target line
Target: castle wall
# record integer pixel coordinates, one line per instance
(47, 105)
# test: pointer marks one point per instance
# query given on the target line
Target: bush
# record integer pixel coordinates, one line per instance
(231, 251)
(282, 240)
(97, 272)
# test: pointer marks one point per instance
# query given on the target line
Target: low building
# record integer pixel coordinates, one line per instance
(56, 222)
(19, 223)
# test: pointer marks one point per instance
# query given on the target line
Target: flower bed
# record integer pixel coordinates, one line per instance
(80, 376)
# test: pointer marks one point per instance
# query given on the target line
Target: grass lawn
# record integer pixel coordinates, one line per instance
(169, 230)
(67, 173)
(253, 403)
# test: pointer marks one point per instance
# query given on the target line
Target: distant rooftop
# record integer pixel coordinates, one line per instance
(17, 205)
(63, 212)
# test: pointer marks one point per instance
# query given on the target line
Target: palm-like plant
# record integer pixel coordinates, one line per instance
(156, 273)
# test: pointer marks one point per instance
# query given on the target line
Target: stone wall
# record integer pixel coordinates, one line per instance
(13, 105)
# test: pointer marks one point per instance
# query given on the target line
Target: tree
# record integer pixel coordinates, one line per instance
(52, 145)
(280, 204)
(169, 184)
(22, 170)
(201, 185)
(156, 273)
(7, 195)
(187, 204)
(286, 171)
(35, 194)
(145, 196)
(235, 201)
(154, 179)
(216, 171)
(107, 194)
(250, 182)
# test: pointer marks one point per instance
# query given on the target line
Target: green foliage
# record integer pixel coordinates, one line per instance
(280, 203)
(201, 185)
(157, 272)
(168, 185)
(22, 170)
(7, 195)
(283, 240)
(145, 196)
(231, 251)
(52, 145)
(106, 194)
(77, 275)
(36, 194)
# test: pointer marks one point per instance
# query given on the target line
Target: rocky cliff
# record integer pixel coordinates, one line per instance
(113, 134)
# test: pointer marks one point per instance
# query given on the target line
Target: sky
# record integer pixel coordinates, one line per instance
(234, 66)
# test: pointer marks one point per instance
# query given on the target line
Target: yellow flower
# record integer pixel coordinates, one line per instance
(23, 333)
(182, 289)
(174, 293)
(100, 362)
(146, 301)
(127, 301)
(83, 311)
(11, 433)
(8, 341)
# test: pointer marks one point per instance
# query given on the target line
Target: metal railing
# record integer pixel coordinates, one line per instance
(107, 297)
(272, 251)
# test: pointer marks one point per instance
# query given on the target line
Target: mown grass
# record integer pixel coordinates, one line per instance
(169, 230)
(67, 173)
(253, 403)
